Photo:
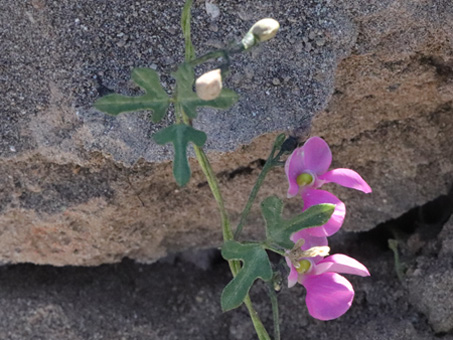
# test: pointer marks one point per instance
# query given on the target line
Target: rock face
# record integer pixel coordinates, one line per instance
(430, 283)
(82, 188)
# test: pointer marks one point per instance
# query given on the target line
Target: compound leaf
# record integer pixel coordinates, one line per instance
(180, 135)
(279, 231)
(256, 265)
(155, 98)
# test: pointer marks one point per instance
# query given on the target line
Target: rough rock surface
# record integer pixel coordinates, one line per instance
(79, 187)
(431, 282)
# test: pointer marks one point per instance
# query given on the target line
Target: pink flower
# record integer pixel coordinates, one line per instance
(329, 295)
(310, 241)
(306, 169)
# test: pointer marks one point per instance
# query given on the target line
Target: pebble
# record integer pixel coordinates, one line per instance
(214, 27)
(320, 42)
(212, 10)
(38, 4)
(299, 47)
(121, 43)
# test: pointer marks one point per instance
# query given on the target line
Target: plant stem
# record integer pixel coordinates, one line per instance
(213, 185)
(235, 266)
(236, 48)
(271, 248)
(259, 327)
(248, 206)
(270, 163)
(275, 316)
(228, 235)
(208, 56)
(393, 245)
(185, 25)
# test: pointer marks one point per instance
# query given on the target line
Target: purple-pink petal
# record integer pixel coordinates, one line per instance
(293, 274)
(310, 240)
(347, 178)
(340, 263)
(313, 197)
(317, 155)
(294, 166)
(329, 295)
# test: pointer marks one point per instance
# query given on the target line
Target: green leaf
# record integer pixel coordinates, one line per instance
(256, 265)
(279, 231)
(155, 99)
(188, 99)
(185, 24)
(180, 135)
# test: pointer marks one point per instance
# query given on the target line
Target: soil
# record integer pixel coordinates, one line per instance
(178, 296)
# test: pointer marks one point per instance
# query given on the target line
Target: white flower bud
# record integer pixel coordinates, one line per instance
(265, 29)
(209, 85)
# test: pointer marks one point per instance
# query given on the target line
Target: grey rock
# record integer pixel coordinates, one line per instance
(430, 283)
(83, 188)
(432, 292)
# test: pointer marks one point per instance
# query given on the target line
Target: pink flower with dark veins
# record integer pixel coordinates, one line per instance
(307, 170)
(329, 295)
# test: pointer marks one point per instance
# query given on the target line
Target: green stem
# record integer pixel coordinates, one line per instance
(213, 185)
(235, 266)
(228, 235)
(273, 297)
(236, 48)
(259, 327)
(185, 25)
(275, 250)
(178, 116)
(270, 163)
(208, 56)
(248, 206)
(393, 245)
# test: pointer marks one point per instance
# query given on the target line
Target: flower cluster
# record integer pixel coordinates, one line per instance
(329, 295)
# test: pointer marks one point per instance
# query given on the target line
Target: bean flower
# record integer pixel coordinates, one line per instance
(329, 295)
(307, 170)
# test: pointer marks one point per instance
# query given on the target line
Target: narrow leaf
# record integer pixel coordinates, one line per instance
(256, 265)
(155, 98)
(279, 231)
(180, 135)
